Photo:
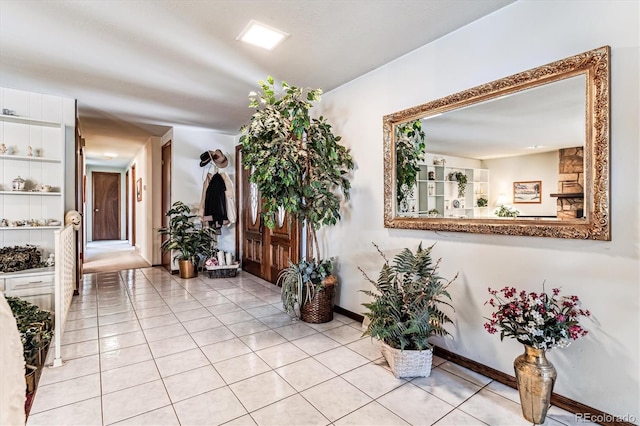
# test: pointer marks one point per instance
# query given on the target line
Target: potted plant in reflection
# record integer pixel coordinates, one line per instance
(405, 310)
(299, 167)
(192, 241)
(410, 149)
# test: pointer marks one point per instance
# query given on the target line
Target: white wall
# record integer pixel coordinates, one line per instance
(601, 370)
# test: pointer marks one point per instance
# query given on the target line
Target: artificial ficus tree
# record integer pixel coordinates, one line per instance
(295, 160)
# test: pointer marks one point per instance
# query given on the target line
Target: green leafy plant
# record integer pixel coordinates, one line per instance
(482, 202)
(506, 211)
(301, 281)
(34, 324)
(410, 149)
(405, 309)
(462, 180)
(433, 213)
(191, 241)
(296, 162)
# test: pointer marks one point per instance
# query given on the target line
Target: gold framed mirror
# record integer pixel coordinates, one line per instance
(524, 155)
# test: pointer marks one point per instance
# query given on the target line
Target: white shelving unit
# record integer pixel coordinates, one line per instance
(27, 215)
(436, 193)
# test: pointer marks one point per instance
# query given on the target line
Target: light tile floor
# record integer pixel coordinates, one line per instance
(143, 347)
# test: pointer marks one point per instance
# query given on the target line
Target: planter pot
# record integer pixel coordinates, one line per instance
(320, 308)
(187, 269)
(408, 363)
(30, 377)
(535, 377)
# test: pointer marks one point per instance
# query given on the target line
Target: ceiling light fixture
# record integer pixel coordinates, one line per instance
(110, 155)
(261, 35)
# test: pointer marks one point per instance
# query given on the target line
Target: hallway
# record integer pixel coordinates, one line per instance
(144, 347)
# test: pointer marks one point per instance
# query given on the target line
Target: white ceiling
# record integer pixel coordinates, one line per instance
(138, 68)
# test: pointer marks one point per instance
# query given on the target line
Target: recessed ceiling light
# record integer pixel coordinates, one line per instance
(110, 155)
(261, 35)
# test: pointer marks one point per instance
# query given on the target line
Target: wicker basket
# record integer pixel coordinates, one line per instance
(222, 271)
(320, 308)
(408, 363)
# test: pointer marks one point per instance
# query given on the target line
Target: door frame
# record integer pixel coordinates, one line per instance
(132, 191)
(93, 202)
(165, 256)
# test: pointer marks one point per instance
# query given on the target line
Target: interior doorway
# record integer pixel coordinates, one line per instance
(106, 206)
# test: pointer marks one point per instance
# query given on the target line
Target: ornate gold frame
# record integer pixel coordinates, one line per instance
(595, 226)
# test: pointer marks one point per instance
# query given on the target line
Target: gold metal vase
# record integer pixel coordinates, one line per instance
(535, 376)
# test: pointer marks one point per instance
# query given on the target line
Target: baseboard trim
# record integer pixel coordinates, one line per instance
(357, 317)
(588, 413)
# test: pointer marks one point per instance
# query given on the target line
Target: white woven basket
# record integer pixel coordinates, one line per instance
(408, 363)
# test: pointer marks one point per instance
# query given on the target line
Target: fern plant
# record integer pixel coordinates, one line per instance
(405, 309)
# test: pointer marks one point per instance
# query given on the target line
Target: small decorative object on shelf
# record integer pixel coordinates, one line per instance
(433, 213)
(3, 149)
(405, 310)
(482, 202)
(18, 184)
(540, 322)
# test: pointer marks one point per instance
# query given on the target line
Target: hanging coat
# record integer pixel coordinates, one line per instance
(215, 204)
(231, 196)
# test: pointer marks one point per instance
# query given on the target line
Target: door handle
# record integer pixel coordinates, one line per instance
(97, 210)
(261, 227)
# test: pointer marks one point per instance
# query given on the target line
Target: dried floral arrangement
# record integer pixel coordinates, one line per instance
(19, 258)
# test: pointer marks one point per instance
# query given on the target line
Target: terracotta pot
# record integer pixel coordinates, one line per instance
(187, 269)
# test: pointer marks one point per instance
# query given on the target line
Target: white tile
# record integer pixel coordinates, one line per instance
(173, 345)
(335, 398)
(214, 335)
(78, 336)
(279, 319)
(305, 374)
(70, 369)
(324, 326)
(371, 414)
(234, 317)
(261, 390)
(367, 347)
(119, 328)
(263, 339)
(295, 331)
(447, 386)
(283, 354)
(344, 334)
(77, 350)
(124, 356)
(122, 341)
(181, 362)
(193, 314)
(504, 391)
(164, 416)
(493, 409)
(458, 418)
(129, 376)
(81, 324)
(115, 318)
(193, 382)
(165, 332)
(316, 343)
(212, 408)
(414, 405)
(201, 324)
(63, 393)
(263, 311)
(242, 367)
(341, 360)
(117, 405)
(290, 411)
(153, 312)
(465, 373)
(222, 308)
(225, 350)
(247, 327)
(83, 413)
(158, 321)
(565, 417)
(245, 420)
(373, 380)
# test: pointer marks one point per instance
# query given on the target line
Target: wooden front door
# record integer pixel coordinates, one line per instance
(265, 252)
(106, 206)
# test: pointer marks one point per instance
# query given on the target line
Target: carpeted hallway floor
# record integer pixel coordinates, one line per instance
(111, 255)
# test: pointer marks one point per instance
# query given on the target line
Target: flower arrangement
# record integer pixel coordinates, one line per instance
(536, 319)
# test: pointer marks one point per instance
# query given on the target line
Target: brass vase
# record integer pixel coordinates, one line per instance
(535, 376)
(187, 269)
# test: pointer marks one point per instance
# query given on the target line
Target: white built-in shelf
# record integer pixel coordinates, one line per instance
(29, 193)
(28, 228)
(27, 120)
(27, 158)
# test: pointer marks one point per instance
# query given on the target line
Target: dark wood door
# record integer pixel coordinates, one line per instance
(265, 252)
(166, 198)
(106, 206)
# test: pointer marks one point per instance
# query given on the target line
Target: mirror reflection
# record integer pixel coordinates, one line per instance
(524, 155)
(520, 154)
